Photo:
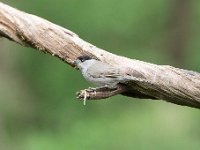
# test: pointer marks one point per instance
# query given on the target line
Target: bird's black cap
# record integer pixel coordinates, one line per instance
(84, 58)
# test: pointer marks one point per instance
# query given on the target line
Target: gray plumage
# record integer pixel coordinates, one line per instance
(99, 73)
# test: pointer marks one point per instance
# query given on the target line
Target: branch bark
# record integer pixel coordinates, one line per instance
(149, 80)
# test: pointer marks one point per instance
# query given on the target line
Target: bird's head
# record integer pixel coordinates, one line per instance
(83, 62)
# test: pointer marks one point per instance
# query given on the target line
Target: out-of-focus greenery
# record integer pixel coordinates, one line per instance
(38, 108)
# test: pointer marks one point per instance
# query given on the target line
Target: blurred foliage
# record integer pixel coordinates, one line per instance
(38, 108)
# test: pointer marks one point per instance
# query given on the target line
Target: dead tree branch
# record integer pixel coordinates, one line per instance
(149, 80)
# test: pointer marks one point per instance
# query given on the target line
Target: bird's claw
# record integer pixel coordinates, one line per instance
(91, 89)
(84, 95)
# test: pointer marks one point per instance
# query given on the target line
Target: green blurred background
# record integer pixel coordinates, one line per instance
(38, 108)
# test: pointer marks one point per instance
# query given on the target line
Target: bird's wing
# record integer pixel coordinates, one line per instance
(102, 70)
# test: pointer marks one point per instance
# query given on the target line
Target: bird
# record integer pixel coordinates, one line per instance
(99, 73)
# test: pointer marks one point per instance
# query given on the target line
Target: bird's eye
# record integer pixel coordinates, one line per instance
(83, 58)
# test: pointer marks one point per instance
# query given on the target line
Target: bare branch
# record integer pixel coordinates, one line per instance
(100, 93)
(149, 80)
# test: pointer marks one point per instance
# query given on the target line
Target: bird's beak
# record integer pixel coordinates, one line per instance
(75, 63)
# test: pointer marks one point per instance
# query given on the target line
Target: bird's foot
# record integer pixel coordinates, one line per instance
(84, 95)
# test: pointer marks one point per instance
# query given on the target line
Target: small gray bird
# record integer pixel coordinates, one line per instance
(99, 73)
